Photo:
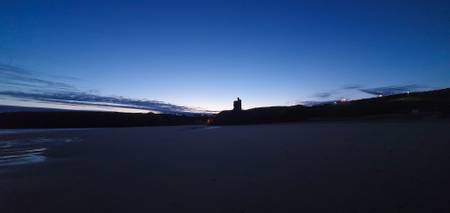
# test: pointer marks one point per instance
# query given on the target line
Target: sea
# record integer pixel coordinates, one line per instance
(16, 151)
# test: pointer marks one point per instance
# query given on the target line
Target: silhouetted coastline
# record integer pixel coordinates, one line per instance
(86, 119)
(412, 106)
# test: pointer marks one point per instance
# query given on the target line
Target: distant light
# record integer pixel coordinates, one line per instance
(380, 95)
(344, 100)
(209, 121)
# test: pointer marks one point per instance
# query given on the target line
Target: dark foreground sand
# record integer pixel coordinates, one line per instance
(312, 167)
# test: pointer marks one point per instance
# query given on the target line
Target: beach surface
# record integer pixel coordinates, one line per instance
(305, 167)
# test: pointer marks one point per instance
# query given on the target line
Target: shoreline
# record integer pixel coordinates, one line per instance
(376, 167)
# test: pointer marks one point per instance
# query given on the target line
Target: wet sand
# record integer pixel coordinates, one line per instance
(308, 167)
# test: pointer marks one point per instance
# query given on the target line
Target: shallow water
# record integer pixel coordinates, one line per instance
(28, 150)
(22, 131)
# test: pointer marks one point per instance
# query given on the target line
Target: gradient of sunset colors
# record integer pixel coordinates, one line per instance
(193, 56)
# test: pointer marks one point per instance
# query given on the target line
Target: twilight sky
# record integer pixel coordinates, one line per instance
(176, 56)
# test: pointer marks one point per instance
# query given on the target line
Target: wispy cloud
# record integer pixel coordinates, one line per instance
(80, 98)
(351, 86)
(346, 91)
(392, 90)
(323, 95)
(317, 103)
(25, 85)
(11, 76)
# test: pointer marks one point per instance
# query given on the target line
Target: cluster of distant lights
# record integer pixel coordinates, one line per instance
(343, 100)
(381, 94)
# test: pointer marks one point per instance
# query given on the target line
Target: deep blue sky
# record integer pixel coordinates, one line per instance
(206, 53)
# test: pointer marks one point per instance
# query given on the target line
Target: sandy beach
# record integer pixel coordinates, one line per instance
(307, 167)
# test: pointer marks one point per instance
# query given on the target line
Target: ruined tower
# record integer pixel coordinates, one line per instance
(237, 105)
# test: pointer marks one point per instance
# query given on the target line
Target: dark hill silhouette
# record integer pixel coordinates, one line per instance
(419, 105)
(431, 104)
(86, 119)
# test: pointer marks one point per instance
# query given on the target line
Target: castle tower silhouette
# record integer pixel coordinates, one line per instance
(237, 105)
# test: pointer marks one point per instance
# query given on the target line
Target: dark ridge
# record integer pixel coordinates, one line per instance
(419, 105)
(86, 119)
